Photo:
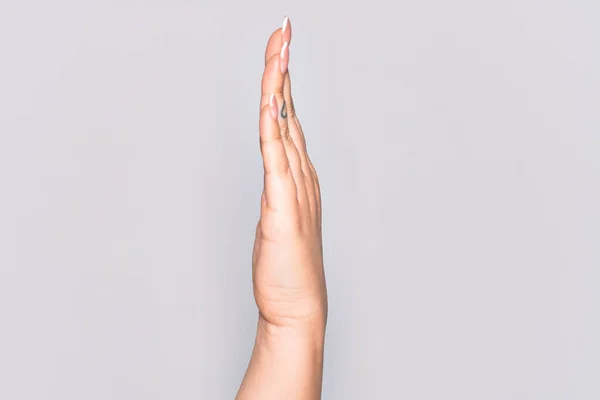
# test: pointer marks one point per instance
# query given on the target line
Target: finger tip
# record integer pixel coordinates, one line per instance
(274, 44)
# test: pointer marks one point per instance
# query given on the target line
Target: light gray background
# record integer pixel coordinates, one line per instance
(458, 145)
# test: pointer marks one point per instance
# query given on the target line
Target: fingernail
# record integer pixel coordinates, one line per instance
(283, 58)
(273, 106)
(284, 26)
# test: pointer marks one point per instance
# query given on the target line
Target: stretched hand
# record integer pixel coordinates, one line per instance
(289, 284)
(287, 260)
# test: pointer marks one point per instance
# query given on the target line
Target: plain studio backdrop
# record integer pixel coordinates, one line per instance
(458, 145)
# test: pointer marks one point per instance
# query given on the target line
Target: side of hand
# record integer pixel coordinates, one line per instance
(287, 260)
(289, 282)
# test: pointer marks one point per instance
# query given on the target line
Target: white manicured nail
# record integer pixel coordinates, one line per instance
(285, 23)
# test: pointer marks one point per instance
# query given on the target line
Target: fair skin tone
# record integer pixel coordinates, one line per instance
(287, 261)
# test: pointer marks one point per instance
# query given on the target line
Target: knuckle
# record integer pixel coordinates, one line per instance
(266, 141)
(264, 109)
(277, 225)
(286, 171)
(273, 59)
(267, 90)
(307, 174)
(291, 109)
(282, 171)
(316, 180)
(285, 132)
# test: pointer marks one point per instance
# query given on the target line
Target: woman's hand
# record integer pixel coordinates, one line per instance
(289, 283)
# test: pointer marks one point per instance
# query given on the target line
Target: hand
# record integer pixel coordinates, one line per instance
(287, 261)
(289, 282)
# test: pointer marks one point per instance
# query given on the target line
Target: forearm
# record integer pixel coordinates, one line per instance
(286, 363)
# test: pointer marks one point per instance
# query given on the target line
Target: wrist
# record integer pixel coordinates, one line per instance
(302, 334)
(287, 362)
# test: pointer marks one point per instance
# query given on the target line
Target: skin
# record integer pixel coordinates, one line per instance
(287, 260)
